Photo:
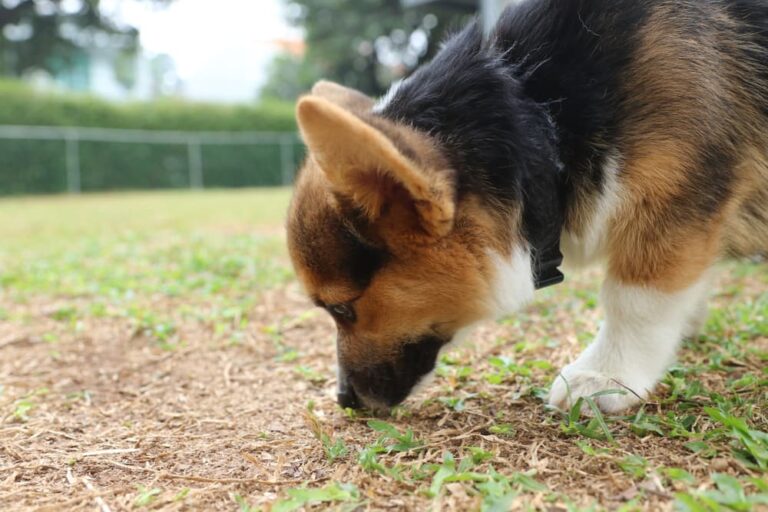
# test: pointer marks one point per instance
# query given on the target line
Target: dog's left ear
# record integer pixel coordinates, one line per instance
(363, 165)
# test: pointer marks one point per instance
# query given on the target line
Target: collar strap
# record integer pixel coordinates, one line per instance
(544, 187)
(545, 267)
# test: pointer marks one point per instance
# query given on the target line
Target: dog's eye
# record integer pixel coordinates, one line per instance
(342, 312)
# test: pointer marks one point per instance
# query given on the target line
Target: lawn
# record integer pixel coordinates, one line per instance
(156, 354)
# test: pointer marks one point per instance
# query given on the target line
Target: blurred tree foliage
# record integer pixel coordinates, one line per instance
(290, 76)
(365, 44)
(50, 35)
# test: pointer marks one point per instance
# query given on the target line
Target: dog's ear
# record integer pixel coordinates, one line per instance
(363, 165)
(342, 96)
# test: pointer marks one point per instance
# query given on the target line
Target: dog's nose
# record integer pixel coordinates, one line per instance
(346, 395)
(348, 398)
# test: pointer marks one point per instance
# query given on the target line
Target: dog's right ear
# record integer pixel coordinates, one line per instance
(397, 195)
(343, 96)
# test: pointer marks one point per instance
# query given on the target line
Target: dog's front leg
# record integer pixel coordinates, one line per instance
(638, 341)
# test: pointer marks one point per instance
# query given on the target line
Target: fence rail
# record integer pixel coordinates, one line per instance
(72, 137)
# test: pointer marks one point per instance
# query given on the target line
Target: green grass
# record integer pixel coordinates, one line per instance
(701, 445)
(32, 222)
(176, 244)
(154, 260)
(481, 437)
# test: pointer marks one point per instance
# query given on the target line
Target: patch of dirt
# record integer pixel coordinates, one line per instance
(97, 415)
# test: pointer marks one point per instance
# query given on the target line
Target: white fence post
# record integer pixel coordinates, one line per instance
(286, 159)
(74, 185)
(195, 155)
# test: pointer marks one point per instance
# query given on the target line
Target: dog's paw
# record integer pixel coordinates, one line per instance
(611, 394)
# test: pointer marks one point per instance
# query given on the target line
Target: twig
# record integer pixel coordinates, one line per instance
(250, 458)
(192, 478)
(11, 478)
(227, 375)
(62, 434)
(99, 501)
(129, 468)
(113, 451)
(12, 340)
(619, 383)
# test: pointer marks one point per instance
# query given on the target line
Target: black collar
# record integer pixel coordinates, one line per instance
(545, 189)
(545, 267)
(544, 210)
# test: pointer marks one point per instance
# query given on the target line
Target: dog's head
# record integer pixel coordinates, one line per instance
(383, 239)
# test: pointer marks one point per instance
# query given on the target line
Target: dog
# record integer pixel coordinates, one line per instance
(633, 133)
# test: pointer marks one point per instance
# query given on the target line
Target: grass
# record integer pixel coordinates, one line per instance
(156, 354)
(213, 251)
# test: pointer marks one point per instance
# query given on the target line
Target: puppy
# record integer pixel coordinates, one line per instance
(634, 133)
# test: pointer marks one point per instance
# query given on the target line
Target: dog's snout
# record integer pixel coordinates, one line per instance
(386, 383)
(348, 398)
(345, 394)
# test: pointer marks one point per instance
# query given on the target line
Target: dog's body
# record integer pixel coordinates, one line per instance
(631, 132)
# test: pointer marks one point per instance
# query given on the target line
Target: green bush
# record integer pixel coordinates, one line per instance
(29, 166)
(32, 167)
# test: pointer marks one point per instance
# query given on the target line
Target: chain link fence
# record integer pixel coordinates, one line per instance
(47, 159)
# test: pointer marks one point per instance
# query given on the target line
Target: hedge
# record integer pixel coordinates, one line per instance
(31, 166)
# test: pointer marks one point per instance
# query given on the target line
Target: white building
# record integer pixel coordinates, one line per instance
(94, 71)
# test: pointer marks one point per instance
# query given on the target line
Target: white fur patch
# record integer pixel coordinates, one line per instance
(635, 345)
(385, 100)
(512, 286)
(590, 246)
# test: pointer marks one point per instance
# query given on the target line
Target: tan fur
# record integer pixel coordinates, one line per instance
(417, 291)
(342, 96)
(418, 294)
(363, 164)
(746, 227)
(697, 87)
(640, 250)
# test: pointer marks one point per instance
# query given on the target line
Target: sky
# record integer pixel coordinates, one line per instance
(221, 53)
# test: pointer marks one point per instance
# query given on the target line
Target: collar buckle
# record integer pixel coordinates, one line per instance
(545, 268)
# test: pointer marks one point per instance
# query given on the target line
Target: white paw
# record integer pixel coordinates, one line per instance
(611, 394)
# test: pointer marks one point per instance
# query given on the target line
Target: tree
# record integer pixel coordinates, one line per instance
(289, 77)
(366, 44)
(51, 35)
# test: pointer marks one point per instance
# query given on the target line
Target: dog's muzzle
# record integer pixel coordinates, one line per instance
(386, 384)
(345, 394)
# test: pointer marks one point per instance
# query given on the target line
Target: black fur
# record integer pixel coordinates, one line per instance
(348, 259)
(526, 116)
(502, 143)
(574, 55)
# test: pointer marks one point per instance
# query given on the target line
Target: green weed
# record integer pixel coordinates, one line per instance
(146, 496)
(333, 493)
(398, 442)
(729, 493)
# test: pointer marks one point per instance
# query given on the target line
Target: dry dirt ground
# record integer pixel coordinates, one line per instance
(158, 367)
